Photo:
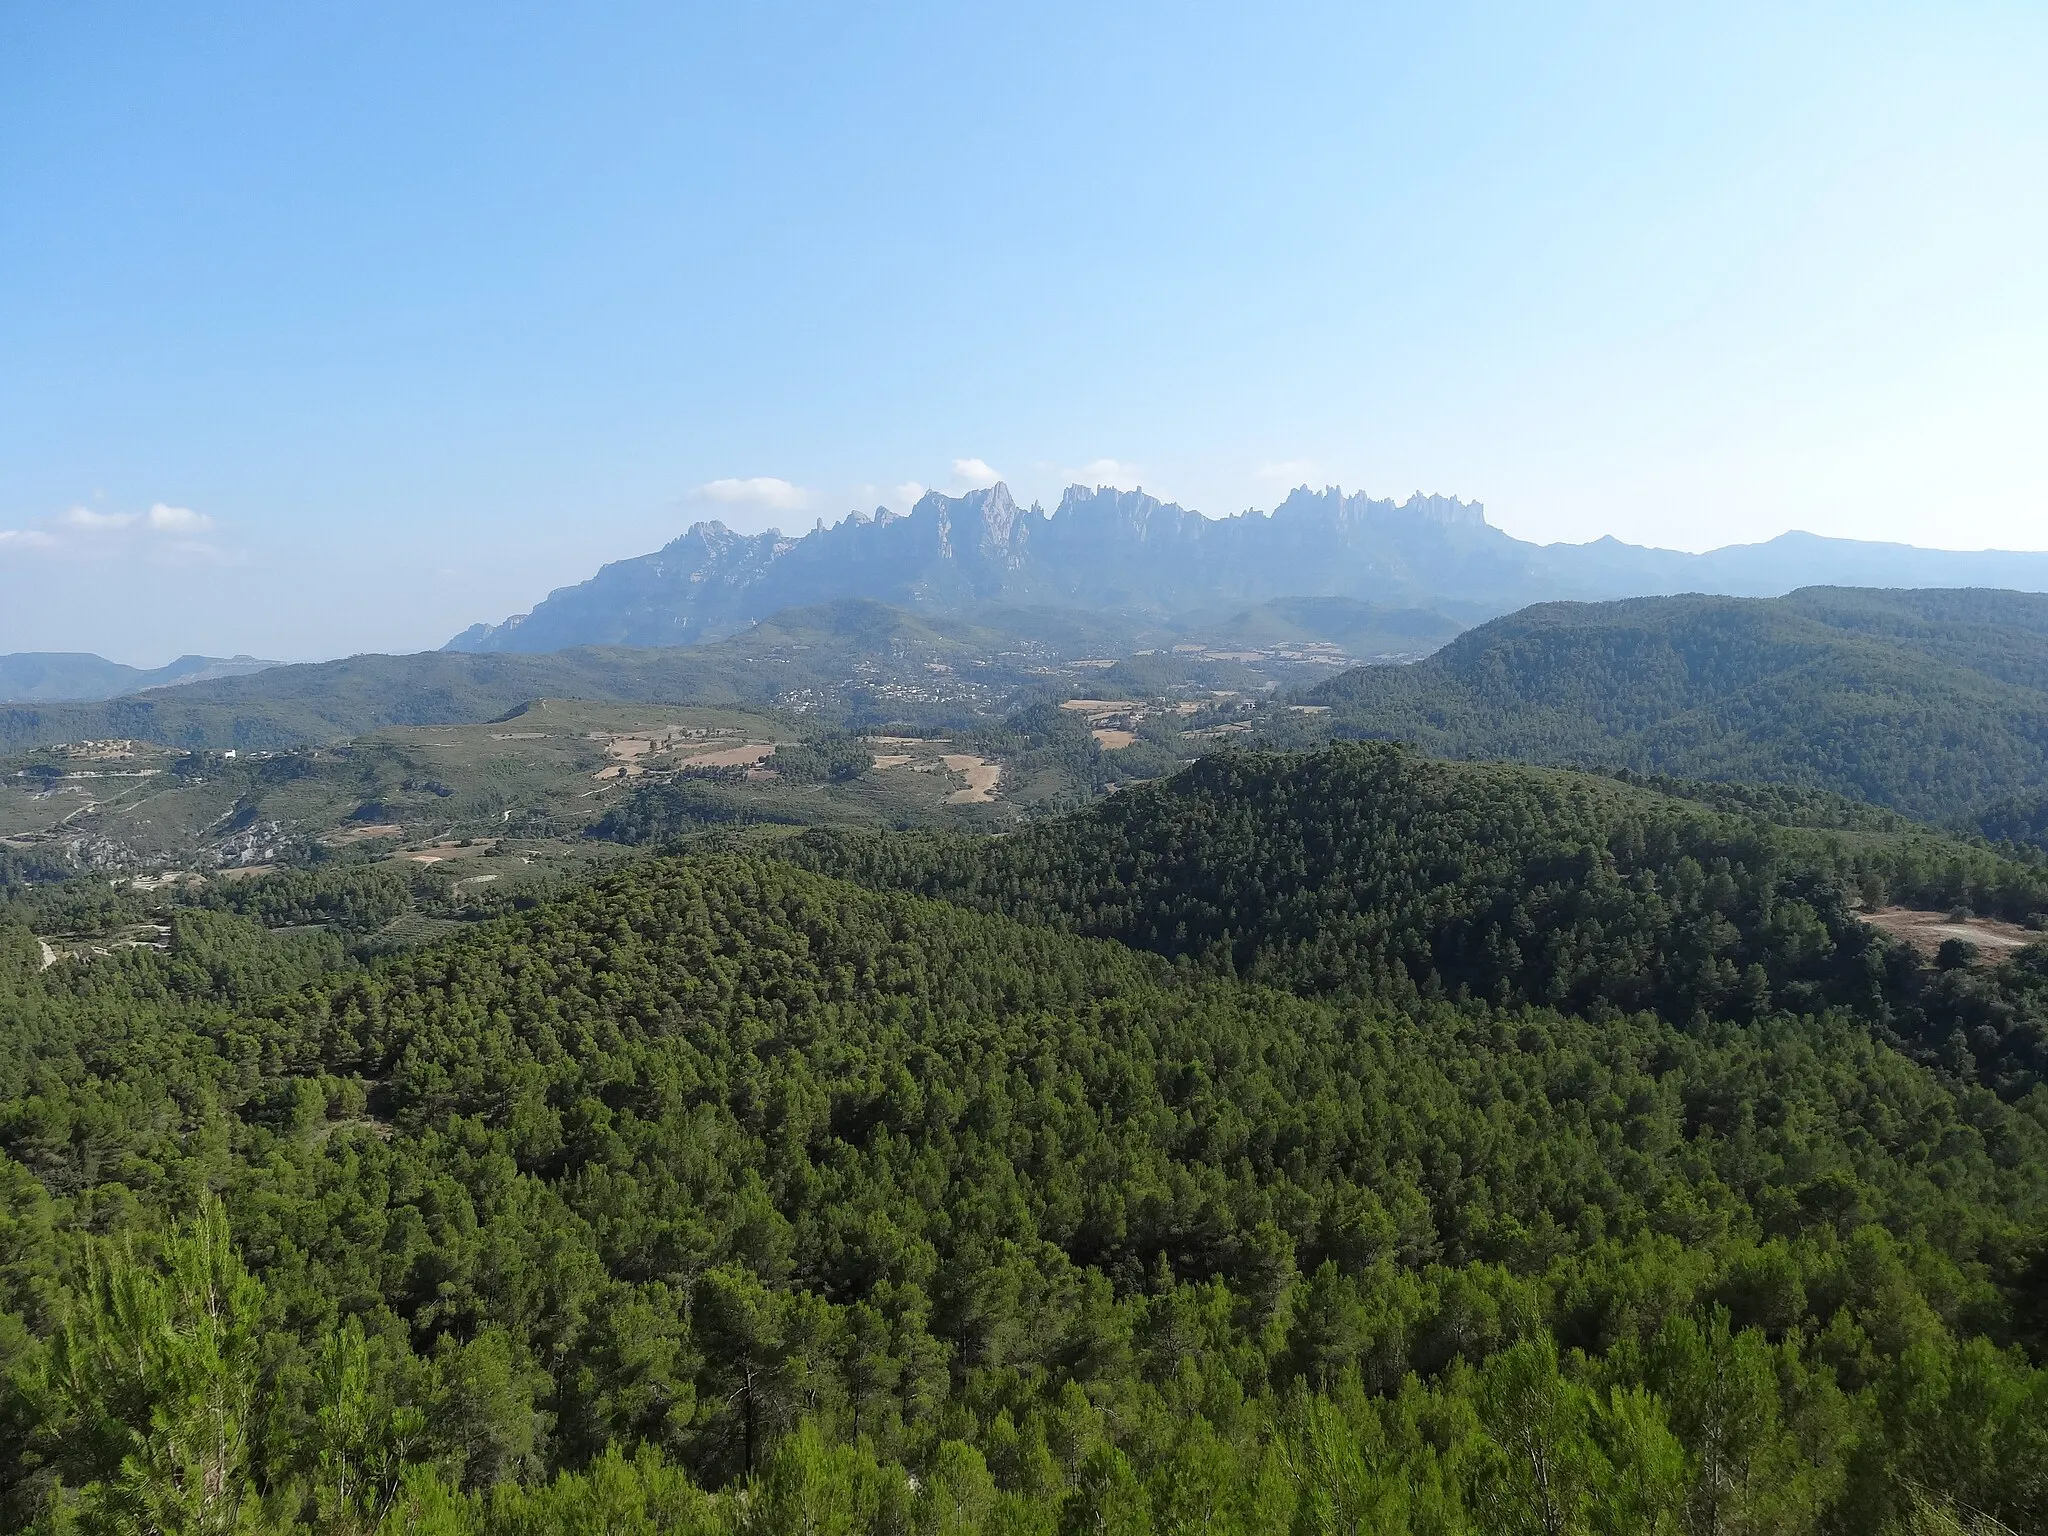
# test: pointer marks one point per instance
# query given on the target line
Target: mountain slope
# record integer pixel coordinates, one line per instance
(850, 659)
(873, 1215)
(839, 652)
(1110, 549)
(79, 676)
(1369, 868)
(1932, 703)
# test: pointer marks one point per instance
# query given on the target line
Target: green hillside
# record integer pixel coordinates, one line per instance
(804, 657)
(547, 773)
(1371, 869)
(2022, 820)
(723, 1175)
(1445, 1148)
(855, 662)
(1932, 703)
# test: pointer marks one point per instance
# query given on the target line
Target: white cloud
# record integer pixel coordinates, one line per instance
(1113, 472)
(764, 491)
(160, 518)
(85, 520)
(164, 532)
(164, 519)
(973, 474)
(907, 495)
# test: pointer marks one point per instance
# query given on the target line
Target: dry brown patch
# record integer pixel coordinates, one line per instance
(168, 878)
(362, 834)
(729, 757)
(982, 777)
(1925, 931)
(1110, 740)
(441, 852)
(103, 751)
(892, 759)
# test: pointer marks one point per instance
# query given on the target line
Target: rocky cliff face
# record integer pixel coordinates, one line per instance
(1106, 548)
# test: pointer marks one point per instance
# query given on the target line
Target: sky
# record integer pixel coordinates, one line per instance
(338, 328)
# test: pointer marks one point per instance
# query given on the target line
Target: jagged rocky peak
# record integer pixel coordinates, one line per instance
(710, 533)
(1331, 505)
(1106, 505)
(1001, 518)
(1446, 510)
(988, 519)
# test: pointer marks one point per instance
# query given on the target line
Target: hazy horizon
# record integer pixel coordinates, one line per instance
(743, 523)
(331, 333)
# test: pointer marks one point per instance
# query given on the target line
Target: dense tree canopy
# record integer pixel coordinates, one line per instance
(1370, 868)
(723, 1195)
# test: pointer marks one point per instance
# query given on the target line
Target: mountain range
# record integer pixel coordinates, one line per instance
(850, 659)
(44, 677)
(1106, 549)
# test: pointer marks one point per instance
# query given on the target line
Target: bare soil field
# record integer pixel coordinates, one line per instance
(729, 757)
(1100, 706)
(982, 777)
(628, 753)
(441, 852)
(1925, 931)
(363, 834)
(1110, 740)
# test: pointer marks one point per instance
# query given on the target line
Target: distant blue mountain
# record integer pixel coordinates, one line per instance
(1110, 549)
(51, 677)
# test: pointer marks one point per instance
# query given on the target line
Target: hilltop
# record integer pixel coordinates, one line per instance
(1933, 703)
(80, 676)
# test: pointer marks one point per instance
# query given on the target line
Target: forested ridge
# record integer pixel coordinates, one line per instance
(1369, 868)
(1932, 703)
(1442, 1148)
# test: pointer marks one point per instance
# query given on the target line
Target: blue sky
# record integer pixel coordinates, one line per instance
(340, 327)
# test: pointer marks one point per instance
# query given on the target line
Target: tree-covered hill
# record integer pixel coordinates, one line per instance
(833, 654)
(850, 661)
(721, 1176)
(1368, 867)
(2022, 820)
(1934, 703)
